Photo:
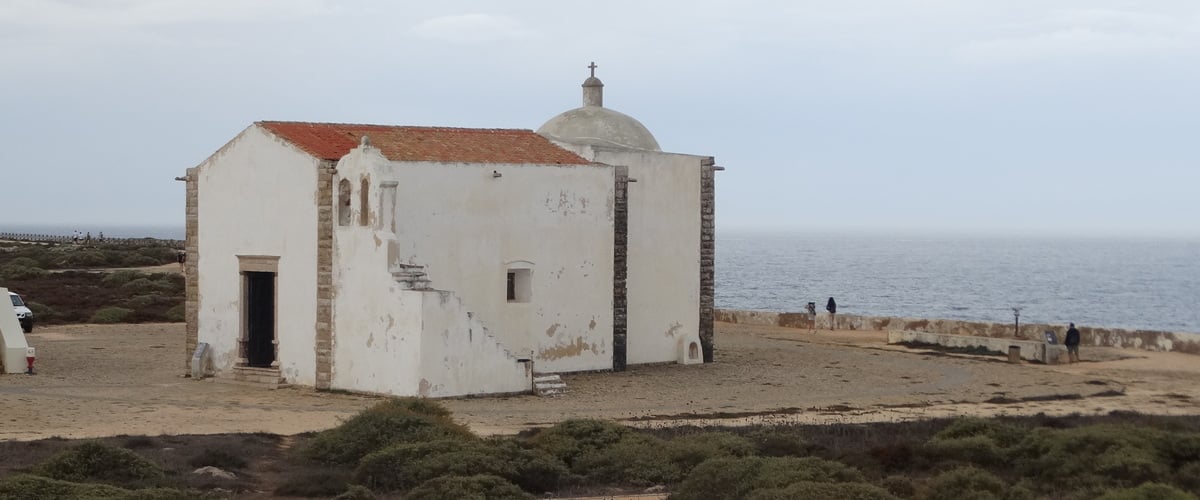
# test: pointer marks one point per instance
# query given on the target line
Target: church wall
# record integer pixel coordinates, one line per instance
(256, 197)
(664, 252)
(459, 356)
(551, 224)
(376, 325)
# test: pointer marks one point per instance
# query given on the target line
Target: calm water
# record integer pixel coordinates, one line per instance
(1137, 283)
(1149, 284)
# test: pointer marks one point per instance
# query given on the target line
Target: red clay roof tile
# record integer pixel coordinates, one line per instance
(331, 141)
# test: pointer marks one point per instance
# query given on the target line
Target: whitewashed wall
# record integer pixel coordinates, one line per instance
(460, 357)
(394, 341)
(664, 249)
(256, 197)
(468, 227)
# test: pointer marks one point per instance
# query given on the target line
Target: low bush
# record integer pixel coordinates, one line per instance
(966, 483)
(137, 442)
(110, 315)
(780, 441)
(217, 458)
(322, 483)
(175, 314)
(402, 467)
(979, 450)
(98, 462)
(392, 422)
(477, 487)
(1149, 491)
(118, 278)
(570, 439)
(691, 450)
(1188, 476)
(14, 272)
(1119, 456)
(825, 491)
(1004, 435)
(736, 478)
(25, 487)
(636, 460)
(900, 486)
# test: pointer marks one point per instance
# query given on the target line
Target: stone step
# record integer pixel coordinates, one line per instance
(267, 378)
(549, 384)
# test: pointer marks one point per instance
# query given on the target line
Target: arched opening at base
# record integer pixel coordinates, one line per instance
(693, 351)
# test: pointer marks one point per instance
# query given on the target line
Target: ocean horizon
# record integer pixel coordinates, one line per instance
(1135, 283)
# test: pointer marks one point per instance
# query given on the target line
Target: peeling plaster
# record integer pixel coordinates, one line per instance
(570, 350)
(424, 388)
(592, 323)
(674, 329)
(371, 340)
(553, 328)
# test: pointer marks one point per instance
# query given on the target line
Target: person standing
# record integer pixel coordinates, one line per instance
(1072, 343)
(831, 306)
(812, 317)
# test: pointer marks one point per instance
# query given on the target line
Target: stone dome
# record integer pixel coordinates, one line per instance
(599, 126)
(595, 124)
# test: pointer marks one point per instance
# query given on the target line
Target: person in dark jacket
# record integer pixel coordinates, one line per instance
(1072, 343)
(831, 306)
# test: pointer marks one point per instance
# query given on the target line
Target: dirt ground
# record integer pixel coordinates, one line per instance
(104, 380)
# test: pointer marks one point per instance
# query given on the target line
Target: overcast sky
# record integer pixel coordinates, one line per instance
(1074, 117)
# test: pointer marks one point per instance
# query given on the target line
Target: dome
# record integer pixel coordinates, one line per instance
(599, 126)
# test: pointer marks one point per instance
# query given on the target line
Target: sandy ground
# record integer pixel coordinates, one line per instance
(107, 380)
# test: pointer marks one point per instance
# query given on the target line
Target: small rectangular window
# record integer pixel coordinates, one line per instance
(519, 286)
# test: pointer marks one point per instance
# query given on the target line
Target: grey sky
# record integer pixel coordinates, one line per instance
(969, 116)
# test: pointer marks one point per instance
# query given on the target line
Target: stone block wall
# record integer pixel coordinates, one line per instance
(1150, 340)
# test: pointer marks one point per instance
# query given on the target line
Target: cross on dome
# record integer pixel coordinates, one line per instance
(593, 67)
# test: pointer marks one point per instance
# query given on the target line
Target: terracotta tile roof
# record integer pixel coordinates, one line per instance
(331, 141)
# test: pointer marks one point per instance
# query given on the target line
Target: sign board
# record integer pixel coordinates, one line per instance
(1051, 337)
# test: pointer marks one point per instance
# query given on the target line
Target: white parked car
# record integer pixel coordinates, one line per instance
(24, 315)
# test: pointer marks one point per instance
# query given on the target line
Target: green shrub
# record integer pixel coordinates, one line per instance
(323, 483)
(900, 486)
(146, 285)
(1003, 435)
(83, 258)
(477, 487)
(806, 490)
(136, 442)
(735, 478)
(40, 311)
(109, 315)
(175, 314)
(95, 461)
(1188, 476)
(979, 449)
(28, 487)
(1182, 448)
(217, 458)
(395, 421)
(23, 262)
(1072, 458)
(402, 467)
(570, 439)
(779, 441)
(1149, 491)
(118, 278)
(690, 450)
(19, 273)
(636, 460)
(966, 483)
(537, 471)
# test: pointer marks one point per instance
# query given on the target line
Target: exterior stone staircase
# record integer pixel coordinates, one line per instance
(410, 277)
(549, 384)
(266, 378)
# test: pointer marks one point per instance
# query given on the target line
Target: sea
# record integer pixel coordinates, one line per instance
(1134, 283)
(1151, 284)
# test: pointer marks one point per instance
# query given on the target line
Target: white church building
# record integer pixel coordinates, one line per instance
(438, 262)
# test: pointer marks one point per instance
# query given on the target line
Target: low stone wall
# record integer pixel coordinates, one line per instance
(1031, 350)
(1150, 340)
